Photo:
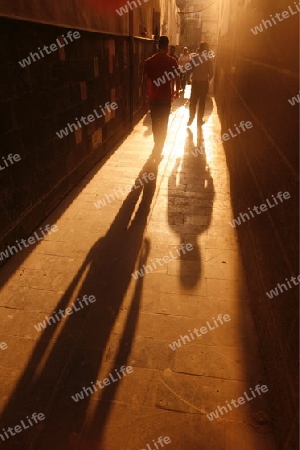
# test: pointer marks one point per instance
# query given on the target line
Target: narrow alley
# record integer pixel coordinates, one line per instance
(134, 322)
(149, 225)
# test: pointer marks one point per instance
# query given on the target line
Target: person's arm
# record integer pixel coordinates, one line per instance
(177, 80)
(210, 69)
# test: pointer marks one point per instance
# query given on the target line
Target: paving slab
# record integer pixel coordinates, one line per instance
(135, 321)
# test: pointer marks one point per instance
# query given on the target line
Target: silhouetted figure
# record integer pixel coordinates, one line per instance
(184, 59)
(160, 70)
(202, 73)
(172, 52)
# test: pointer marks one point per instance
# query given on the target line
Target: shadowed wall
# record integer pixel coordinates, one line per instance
(256, 74)
(104, 65)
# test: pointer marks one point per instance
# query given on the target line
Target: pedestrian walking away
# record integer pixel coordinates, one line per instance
(202, 73)
(160, 94)
(172, 52)
(184, 59)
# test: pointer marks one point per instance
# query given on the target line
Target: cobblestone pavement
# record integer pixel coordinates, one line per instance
(135, 322)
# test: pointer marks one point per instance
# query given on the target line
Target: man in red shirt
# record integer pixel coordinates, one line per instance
(160, 70)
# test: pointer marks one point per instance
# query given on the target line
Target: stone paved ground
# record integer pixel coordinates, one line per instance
(132, 322)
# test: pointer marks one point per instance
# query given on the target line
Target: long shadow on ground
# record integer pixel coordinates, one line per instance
(190, 202)
(70, 353)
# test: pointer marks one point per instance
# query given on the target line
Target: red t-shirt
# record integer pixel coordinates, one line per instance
(156, 68)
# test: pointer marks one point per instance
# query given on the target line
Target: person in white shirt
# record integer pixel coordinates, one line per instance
(202, 73)
(183, 59)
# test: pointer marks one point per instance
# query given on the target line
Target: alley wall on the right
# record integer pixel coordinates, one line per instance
(257, 73)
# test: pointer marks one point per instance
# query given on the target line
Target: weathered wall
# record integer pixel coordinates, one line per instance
(81, 14)
(99, 15)
(170, 21)
(255, 77)
(103, 65)
(41, 99)
(200, 26)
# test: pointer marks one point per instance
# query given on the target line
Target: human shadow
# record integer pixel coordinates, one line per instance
(70, 353)
(190, 202)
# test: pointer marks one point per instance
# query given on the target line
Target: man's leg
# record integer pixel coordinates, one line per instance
(173, 87)
(163, 119)
(203, 90)
(189, 77)
(165, 113)
(193, 102)
(183, 81)
(154, 109)
(160, 112)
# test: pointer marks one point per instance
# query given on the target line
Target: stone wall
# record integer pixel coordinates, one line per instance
(79, 14)
(149, 17)
(200, 23)
(256, 74)
(42, 98)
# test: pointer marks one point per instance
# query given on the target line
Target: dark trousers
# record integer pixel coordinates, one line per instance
(183, 81)
(160, 112)
(198, 96)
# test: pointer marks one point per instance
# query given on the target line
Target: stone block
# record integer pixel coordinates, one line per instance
(97, 138)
